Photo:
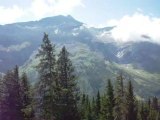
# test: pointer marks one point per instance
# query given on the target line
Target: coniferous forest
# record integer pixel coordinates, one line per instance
(57, 96)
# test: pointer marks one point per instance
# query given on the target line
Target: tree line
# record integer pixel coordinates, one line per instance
(56, 95)
(118, 102)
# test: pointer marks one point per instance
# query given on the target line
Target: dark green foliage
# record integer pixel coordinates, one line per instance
(144, 112)
(119, 110)
(155, 103)
(147, 110)
(11, 104)
(56, 95)
(83, 106)
(149, 104)
(98, 106)
(88, 108)
(108, 103)
(68, 91)
(27, 106)
(47, 80)
(89, 112)
(110, 100)
(123, 106)
(16, 102)
(131, 108)
(154, 109)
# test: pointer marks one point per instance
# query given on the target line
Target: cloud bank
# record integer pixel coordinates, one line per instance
(137, 27)
(36, 10)
(9, 15)
(13, 48)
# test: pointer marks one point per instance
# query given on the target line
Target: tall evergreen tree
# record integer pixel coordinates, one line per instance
(144, 112)
(68, 94)
(104, 108)
(46, 69)
(131, 108)
(1, 98)
(119, 110)
(27, 107)
(83, 106)
(110, 100)
(149, 104)
(108, 103)
(83, 99)
(12, 104)
(155, 103)
(98, 105)
(93, 108)
(154, 109)
(89, 112)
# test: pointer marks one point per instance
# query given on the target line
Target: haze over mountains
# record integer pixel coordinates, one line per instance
(96, 55)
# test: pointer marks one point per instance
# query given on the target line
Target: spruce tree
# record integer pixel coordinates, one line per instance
(12, 104)
(155, 103)
(89, 112)
(68, 91)
(1, 98)
(149, 104)
(93, 108)
(110, 100)
(83, 99)
(98, 105)
(104, 115)
(131, 108)
(119, 109)
(144, 112)
(46, 69)
(108, 103)
(154, 109)
(27, 107)
(83, 106)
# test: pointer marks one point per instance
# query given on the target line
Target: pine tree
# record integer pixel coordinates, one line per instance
(110, 100)
(155, 103)
(98, 105)
(26, 98)
(149, 104)
(119, 110)
(83, 106)
(83, 98)
(46, 69)
(104, 108)
(1, 98)
(68, 94)
(12, 104)
(108, 103)
(144, 112)
(89, 112)
(154, 109)
(93, 108)
(131, 113)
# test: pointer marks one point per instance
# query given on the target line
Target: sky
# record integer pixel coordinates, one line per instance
(132, 18)
(91, 12)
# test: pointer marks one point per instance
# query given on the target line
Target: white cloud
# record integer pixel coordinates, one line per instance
(37, 9)
(9, 15)
(112, 22)
(132, 28)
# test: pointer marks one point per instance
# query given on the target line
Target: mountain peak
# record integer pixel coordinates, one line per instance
(51, 21)
(60, 19)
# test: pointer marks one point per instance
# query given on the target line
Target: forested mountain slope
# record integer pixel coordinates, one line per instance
(95, 54)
